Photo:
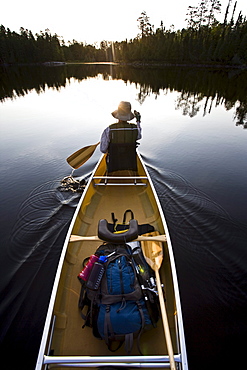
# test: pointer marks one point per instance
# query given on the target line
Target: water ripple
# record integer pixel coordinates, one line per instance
(40, 219)
(211, 259)
(30, 263)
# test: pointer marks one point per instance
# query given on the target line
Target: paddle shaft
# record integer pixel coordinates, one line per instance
(153, 253)
(165, 320)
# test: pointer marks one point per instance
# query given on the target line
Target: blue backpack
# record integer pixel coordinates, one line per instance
(124, 304)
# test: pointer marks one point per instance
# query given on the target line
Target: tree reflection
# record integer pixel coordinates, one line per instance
(189, 103)
(241, 114)
(199, 89)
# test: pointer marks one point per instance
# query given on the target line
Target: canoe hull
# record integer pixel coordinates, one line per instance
(102, 197)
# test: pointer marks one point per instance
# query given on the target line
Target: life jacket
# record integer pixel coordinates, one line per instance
(123, 133)
(122, 147)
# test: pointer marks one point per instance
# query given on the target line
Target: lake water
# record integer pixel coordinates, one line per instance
(195, 146)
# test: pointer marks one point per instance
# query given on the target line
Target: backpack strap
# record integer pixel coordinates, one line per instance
(107, 325)
(129, 340)
(114, 219)
(109, 333)
(110, 337)
(90, 314)
(125, 213)
(142, 327)
(83, 300)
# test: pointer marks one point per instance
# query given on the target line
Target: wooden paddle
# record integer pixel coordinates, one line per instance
(78, 158)
(153, 253)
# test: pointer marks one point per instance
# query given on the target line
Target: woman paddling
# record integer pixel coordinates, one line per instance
(119, 140)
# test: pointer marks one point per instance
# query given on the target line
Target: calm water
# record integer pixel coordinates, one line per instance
(194, 144)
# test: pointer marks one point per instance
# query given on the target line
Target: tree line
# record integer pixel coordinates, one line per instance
(204, 41)
(193, 85)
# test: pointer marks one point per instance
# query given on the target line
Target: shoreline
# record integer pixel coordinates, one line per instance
(136, 64)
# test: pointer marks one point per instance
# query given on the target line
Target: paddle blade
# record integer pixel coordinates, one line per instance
(153, 252)
(78, 158)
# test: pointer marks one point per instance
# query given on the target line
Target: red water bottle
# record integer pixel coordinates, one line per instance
(84, 274)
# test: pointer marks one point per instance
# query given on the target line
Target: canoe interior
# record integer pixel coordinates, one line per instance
(69, 338)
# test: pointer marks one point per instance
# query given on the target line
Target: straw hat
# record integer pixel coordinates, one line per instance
(123, 113)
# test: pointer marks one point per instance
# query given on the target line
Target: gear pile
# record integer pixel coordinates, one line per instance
(68, 183)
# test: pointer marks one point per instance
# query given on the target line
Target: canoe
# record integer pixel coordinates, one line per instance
(64, 342)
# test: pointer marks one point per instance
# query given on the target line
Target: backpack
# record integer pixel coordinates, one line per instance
(125, 302)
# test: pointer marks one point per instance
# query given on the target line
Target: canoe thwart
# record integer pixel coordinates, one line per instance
(120, 180)
(118, 360)
(94, 238)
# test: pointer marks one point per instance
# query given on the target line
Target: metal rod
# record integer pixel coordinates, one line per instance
(109, 359)
(120, 184)
(105, 178)
(119, 178)
(75, 359)
(116, 364)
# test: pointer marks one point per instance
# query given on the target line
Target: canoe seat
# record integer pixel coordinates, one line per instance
(122, 237)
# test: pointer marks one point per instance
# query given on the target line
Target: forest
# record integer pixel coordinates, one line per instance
(205, 41)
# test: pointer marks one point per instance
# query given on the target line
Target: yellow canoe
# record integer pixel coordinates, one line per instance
(64, 342)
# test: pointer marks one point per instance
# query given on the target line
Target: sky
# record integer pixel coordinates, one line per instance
(94, 21)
